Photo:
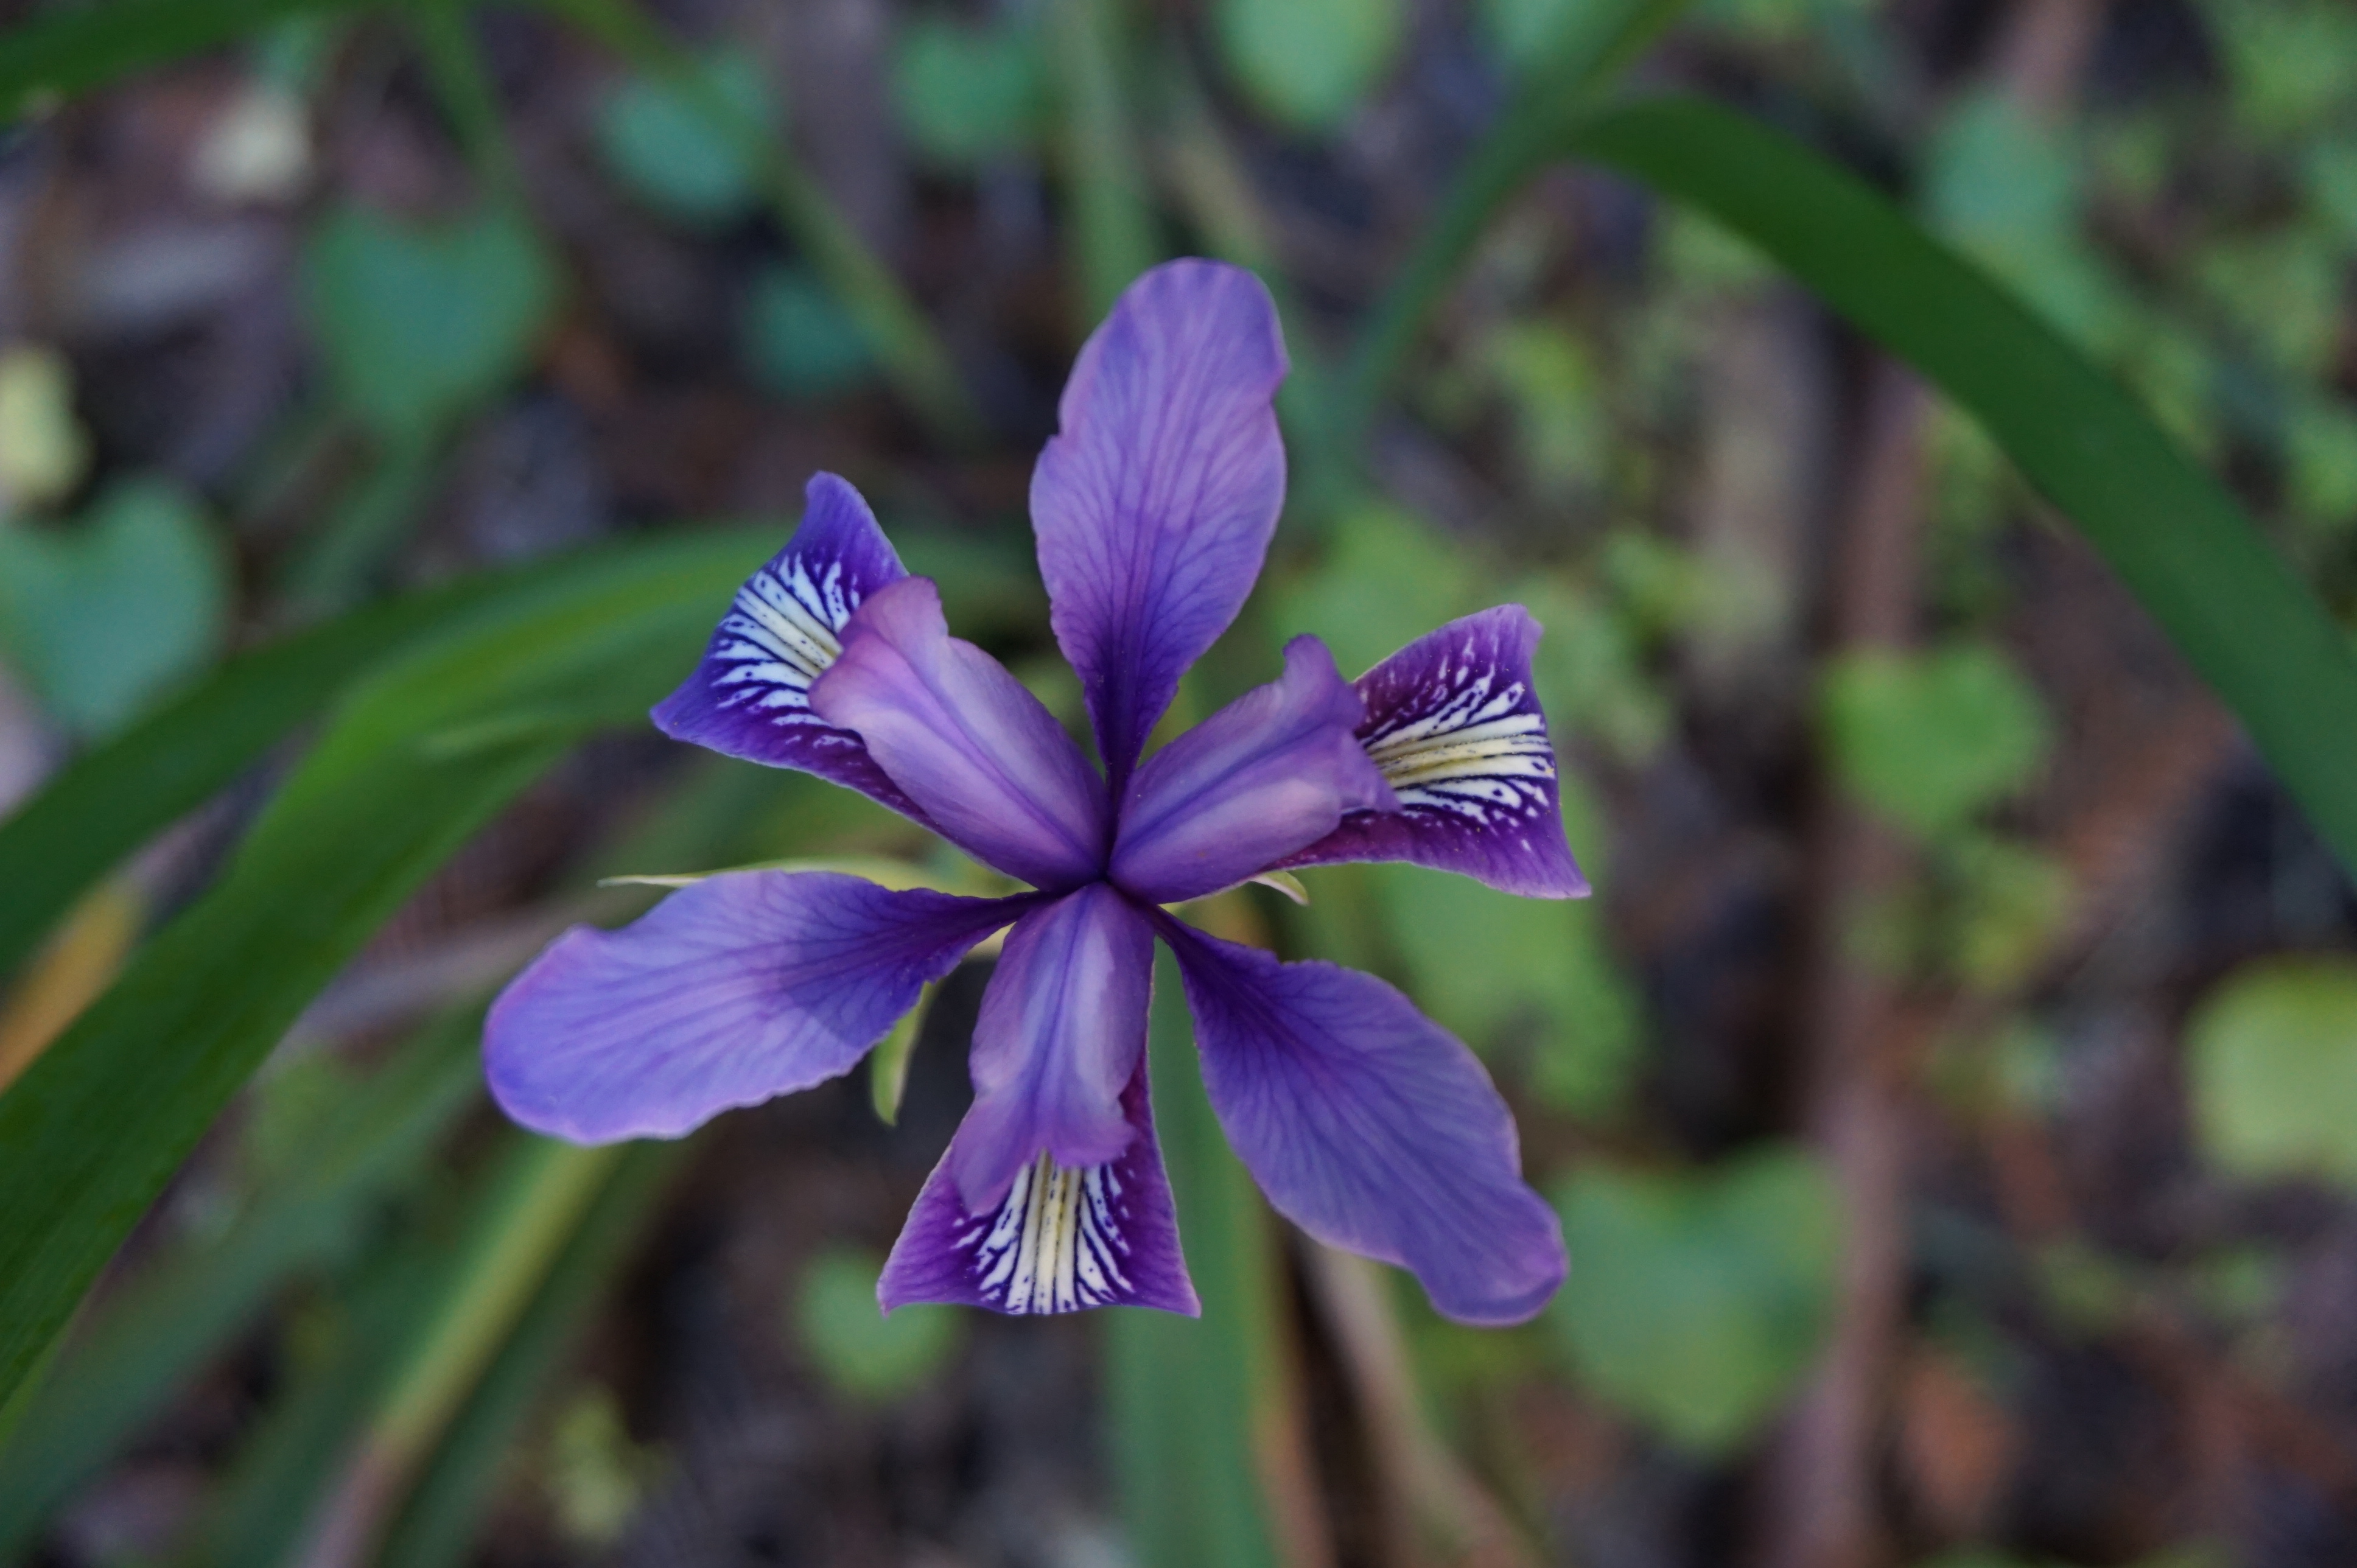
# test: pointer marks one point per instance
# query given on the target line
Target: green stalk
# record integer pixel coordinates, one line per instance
(913, 354)
(339, 1360)
(454, 59)
(530, 1209)
(1113, 214)
(1190, 1397)
(437, 1525)
(145, 1343)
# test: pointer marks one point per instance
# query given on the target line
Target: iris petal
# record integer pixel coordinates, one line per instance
(1370, 1126)
(1453, 722)
(749, 696)
(1274, 771)
(992, 768)
(1155, 504)
(1062, 1238)
(731, 990)
(1061, 1030)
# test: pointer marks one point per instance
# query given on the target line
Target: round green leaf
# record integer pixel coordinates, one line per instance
(800, 340)
(1929, 739)
(2271, 1060)
(662, 139)
(1697, 1300)
(104, 615)
(1307, 63)
(862, 1352)
(967, 94)
(420, 322)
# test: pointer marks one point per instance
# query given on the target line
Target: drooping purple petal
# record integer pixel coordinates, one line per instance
(731, 990)
(1059, 1240)
(1155, 504)
(990, 766)
(1271, 772)
(751, 695)
(1455, 725)
(1370, 1126)
(1062, 1028)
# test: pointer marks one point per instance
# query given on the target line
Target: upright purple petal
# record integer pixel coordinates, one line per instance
(751, 695)
(732, 990)
(1455, 725)
(1370, 1126)
(1269, 773)
(1059, 1240)
(1155, 504)
(989, 765)
(1062, 1027)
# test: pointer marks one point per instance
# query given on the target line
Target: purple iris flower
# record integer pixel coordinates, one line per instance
(1365, 1123)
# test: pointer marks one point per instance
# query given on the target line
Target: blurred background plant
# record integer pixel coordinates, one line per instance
(1948, 1096)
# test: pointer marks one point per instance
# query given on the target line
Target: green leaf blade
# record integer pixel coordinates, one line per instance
(2183, 545)
(94, 1129)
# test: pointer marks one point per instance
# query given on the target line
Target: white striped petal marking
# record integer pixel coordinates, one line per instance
(1055, 1245)
(1466, 751)
(780, 636)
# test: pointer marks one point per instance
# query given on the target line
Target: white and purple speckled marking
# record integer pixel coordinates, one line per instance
(780, 636)
(1469, 744)
(1055, 1244)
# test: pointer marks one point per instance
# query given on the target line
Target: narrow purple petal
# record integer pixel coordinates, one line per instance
(1455, 725)
(732, 990)
(990, 766)
(1062, 1028)
(1274, 771)
(1155, 504)
(1370, 1126)
(751, 695)
(1059, 1240)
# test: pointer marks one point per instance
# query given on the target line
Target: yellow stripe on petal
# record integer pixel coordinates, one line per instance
(1053, 1247)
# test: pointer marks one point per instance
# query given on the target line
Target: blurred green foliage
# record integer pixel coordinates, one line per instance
(1697, 1299)
(2289, 62)
(1308, 63)
(106, 613)
(43, 452)
(420, 322)
(1522, 31)
(967, 94)
(596, 1476)
(800, 341)
(861, 1351)
(1928, 740)
(1385, 580)
(661, 141)
(2005, 186)
(2271, 1061)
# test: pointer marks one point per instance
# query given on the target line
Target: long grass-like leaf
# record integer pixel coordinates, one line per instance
(2230, 603)
(1186, 1392)
(121, 1368)
(109, 801)
(75, 48)
(526, 1215)
(435, 1526)
(91, 1134)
